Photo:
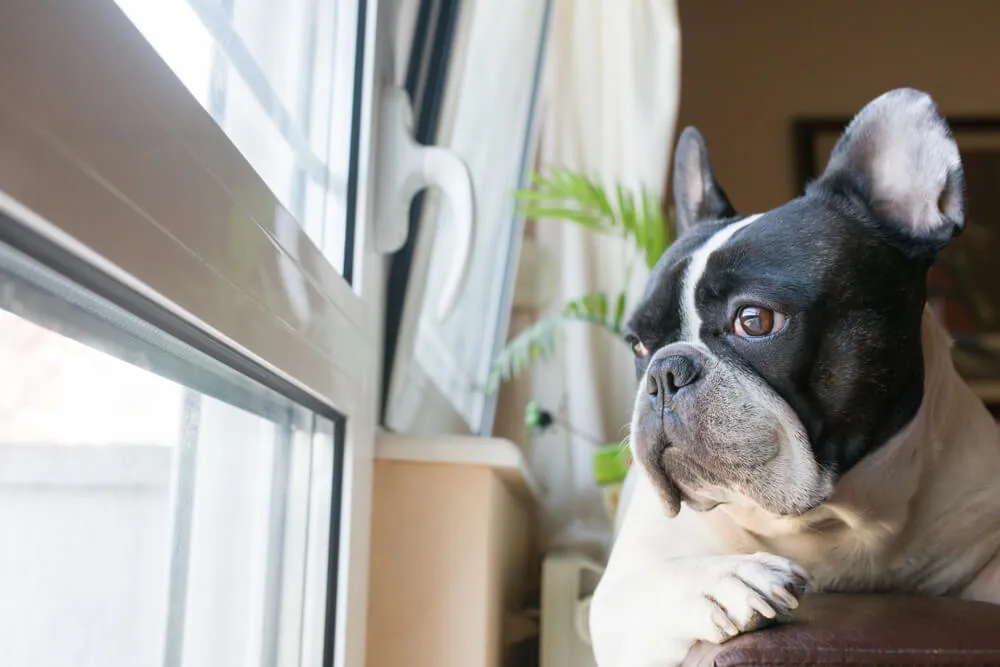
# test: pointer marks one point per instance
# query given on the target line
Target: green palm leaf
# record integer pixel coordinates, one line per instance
(538, 341)
(562, 194)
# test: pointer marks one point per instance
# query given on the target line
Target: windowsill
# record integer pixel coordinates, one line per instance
(502, 456)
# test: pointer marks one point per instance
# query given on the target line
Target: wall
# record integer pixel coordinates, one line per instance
(749, 67)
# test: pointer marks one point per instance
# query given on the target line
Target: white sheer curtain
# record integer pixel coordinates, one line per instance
(612, 88)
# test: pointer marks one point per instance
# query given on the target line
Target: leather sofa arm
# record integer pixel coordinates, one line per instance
(868, 630)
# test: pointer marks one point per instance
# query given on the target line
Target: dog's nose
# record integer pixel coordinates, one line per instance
(669, 374)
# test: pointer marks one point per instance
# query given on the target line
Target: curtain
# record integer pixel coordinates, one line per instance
(611, 92)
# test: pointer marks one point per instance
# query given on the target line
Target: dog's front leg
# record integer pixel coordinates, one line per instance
(668, 585)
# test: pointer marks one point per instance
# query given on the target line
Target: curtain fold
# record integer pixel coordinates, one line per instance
(611, 97)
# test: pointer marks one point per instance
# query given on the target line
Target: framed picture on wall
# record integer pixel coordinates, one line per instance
(964, 285)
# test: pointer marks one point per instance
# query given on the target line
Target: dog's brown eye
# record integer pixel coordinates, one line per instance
(756, 322)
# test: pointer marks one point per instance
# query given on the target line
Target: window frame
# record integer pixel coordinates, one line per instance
(70, 201)
(186, 267)
(439, 42)
(426, 82)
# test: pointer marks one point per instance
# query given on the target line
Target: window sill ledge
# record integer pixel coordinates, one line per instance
(501, 456)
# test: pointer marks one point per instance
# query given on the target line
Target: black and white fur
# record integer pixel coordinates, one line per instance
(842, 451)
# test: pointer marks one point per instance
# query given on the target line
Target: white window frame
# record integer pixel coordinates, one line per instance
(92, 122)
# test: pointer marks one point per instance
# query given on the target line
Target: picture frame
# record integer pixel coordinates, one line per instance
(964, 285)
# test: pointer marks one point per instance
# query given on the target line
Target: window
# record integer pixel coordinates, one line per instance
(190, 370)
(279, 84)
(193, 328)
(168, 511)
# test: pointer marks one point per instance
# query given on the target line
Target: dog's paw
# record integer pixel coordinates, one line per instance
(653, 617)
(745, 593)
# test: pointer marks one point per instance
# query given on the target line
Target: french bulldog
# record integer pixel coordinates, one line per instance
(799, 424)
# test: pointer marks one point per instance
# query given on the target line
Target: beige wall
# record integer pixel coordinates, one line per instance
(749, 67)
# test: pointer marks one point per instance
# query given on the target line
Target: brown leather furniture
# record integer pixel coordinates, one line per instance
(868, 630)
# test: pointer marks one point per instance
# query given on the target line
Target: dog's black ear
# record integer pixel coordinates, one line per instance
(697, 196)
(899, 155)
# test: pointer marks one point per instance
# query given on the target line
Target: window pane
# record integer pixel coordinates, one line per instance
(279, 80)
(167, 510)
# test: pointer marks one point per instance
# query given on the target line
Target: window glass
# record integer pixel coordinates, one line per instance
(279, 80)
(160, 508)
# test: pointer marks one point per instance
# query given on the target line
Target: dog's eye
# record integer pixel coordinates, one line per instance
(756, 322)
(638, 349)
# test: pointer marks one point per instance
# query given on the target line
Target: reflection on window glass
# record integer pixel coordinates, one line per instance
(160, 511)
(279, 79)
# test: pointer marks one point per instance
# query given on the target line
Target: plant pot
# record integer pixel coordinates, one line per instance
(611, 463)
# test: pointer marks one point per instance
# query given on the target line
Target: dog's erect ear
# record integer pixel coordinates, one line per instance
(900, 155)
(697, 196)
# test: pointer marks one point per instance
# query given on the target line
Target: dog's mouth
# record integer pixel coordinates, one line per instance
(651, 458)
(673, 488)
(679, 480)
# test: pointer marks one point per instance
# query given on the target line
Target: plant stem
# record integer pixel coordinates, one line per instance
(577, 432)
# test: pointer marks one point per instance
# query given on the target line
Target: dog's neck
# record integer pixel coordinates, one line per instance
(883, 484)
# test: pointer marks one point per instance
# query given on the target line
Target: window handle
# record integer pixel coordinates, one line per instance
(406, 167)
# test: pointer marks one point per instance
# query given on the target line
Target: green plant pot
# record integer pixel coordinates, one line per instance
(611, 464)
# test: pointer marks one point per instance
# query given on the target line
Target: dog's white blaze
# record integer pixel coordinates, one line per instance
(690, 320)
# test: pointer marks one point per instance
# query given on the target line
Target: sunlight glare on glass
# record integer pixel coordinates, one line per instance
(175, 31)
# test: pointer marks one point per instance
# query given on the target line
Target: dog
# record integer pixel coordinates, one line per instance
(799, 424)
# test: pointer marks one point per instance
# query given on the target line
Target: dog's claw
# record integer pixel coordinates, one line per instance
(762, 607)
(786, 598)
(722, 621)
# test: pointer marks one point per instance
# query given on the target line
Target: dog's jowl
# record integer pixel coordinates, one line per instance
(798, 423)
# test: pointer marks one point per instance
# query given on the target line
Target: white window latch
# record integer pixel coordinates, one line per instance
(406, 167)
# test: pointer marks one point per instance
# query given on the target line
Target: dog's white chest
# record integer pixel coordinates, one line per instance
(843, 558)
(838, 554)
(844, 551)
